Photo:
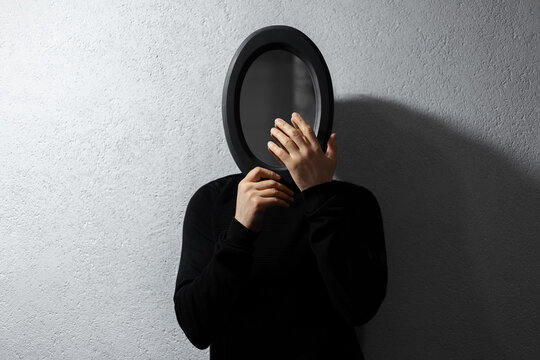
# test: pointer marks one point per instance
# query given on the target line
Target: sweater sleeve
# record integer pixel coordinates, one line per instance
(212, 272)
(346, 235)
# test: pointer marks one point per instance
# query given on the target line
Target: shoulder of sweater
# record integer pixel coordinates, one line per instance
(224, 182)
(354, 192)
(216, 186)
(363, 195)
(349, 186)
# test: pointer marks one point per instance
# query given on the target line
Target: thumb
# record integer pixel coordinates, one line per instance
(331, 149)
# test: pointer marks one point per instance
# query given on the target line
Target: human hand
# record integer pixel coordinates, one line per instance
(300, 151)
(255, 196)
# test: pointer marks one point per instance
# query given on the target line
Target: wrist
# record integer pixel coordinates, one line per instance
(248, 225)
(240, 236)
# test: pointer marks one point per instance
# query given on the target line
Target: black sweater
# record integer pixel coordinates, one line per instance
(294, 290)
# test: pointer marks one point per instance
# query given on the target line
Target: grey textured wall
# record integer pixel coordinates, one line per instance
(111, 118)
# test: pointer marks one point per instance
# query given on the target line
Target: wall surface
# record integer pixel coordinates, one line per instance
(110, 119)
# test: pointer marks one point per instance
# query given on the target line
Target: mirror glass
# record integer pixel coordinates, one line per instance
(276, 84)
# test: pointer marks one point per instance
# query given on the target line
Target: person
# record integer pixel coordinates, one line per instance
(277, 269)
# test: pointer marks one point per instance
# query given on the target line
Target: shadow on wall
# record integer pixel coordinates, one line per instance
(462, 232)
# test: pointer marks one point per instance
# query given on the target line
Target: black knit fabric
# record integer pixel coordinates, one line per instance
(294, 290)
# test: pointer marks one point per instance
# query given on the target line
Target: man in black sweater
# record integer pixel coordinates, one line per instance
(295, 285)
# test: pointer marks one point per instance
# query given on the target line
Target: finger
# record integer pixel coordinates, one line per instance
(286, 142)
(306, 140)
(273, 201)
(258, 172)
(279, 153)
(331, 149)
(273, 154)
(274, 192)
(265, 184)
(292, 132)
(277, 141)
(306, 129)
(276, 157)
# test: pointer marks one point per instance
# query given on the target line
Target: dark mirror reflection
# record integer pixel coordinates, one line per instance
(276, 84)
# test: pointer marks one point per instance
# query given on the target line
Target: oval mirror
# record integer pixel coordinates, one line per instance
(277, 70)
(276, 84)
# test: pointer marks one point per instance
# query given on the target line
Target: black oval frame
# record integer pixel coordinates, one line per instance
(265, 39)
